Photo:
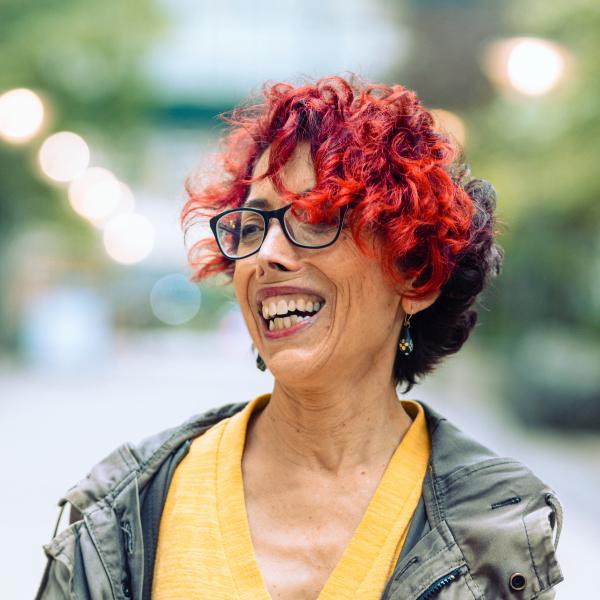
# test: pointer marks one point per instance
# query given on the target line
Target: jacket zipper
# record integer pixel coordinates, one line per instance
(435, 588)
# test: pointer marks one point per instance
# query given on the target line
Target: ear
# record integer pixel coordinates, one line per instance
(410, 306)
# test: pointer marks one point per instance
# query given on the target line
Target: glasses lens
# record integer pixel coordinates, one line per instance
(308, 233)
(240, 232)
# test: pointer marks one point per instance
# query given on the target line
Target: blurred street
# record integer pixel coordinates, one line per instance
(55, 426)
(112, 121)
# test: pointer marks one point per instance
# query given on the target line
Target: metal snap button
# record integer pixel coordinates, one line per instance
(517, 582)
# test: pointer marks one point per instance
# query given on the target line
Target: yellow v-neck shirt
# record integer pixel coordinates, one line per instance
(205, 547)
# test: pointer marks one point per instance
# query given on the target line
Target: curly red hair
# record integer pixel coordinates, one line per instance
(375, 148)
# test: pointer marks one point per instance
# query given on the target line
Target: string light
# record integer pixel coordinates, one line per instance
(21, 115)
(128, 238)
(64, 156)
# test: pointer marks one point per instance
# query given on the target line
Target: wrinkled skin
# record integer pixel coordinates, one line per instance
(315, 455)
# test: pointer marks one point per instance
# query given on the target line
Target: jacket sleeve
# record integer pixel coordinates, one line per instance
(57, 580)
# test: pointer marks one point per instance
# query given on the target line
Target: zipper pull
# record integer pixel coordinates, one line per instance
(435, 588)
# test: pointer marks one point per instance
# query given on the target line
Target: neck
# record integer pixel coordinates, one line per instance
(331, 429)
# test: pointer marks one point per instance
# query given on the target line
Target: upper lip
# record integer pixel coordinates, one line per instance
(281, 290)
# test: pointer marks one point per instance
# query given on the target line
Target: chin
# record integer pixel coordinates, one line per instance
(290, 367)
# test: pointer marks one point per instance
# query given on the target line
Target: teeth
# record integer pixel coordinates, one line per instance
(282, 307)
(279, 323)
(272, 309)
(276, 312)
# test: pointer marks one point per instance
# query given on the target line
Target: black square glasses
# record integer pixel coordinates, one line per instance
(240, 232)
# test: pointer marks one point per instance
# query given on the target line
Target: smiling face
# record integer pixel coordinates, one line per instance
(314, 313)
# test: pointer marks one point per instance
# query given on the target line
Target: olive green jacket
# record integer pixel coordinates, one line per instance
(486, 526)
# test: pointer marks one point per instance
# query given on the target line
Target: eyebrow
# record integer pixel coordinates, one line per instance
(256, 203)
(262, 202)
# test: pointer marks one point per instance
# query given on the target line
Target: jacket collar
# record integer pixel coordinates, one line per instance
(463, 481)
(472, 497)
(103, 483)
(451, 449)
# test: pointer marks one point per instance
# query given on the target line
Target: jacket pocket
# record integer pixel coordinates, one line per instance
(543, 526)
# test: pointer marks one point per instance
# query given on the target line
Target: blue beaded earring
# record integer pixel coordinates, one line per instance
(260, 363)
(406, 342)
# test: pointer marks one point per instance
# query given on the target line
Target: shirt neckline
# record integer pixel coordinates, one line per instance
(395, 488)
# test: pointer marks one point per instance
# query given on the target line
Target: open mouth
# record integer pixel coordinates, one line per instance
(280, 313)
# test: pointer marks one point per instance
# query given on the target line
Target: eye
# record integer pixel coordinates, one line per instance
(250, 229)
(251, 225)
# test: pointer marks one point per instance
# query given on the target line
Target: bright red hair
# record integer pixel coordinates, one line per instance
(374, 148)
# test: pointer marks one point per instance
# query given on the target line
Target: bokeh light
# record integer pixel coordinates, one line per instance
(128, 238)
(21, 115)
(450, 123)
(98, 195)
(534, 66)
(530, 66)
(125, 204)
(66, 328)
(174, 300)
(64, 156)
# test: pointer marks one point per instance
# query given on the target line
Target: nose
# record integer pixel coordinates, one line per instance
(277, 253)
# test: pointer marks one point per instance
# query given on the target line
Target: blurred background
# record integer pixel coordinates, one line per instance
(106, 108)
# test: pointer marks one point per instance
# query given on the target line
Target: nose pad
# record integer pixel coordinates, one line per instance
(276, 251)
(274, 238)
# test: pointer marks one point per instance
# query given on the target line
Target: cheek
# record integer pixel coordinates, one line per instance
(240, 286)
(237, 282)
(372, 297)
(360, 280)
(237, 288)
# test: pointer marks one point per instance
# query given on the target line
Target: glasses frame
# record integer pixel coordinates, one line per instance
(267, 215)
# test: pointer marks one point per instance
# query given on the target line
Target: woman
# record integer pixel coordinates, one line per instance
(357, 246)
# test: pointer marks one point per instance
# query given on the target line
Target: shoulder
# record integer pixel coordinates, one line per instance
(140, 461)
(155, 447)
(105, 511)
(503, 517)
(457, 456)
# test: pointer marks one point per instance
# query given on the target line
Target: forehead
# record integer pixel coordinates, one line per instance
(297, 175)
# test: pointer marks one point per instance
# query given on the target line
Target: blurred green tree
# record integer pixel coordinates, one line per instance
(541, 153)
(83, 58)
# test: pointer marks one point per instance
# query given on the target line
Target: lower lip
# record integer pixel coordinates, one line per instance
(281, 333)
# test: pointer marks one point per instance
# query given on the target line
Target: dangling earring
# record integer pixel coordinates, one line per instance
(406, 343)
(260, 363)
